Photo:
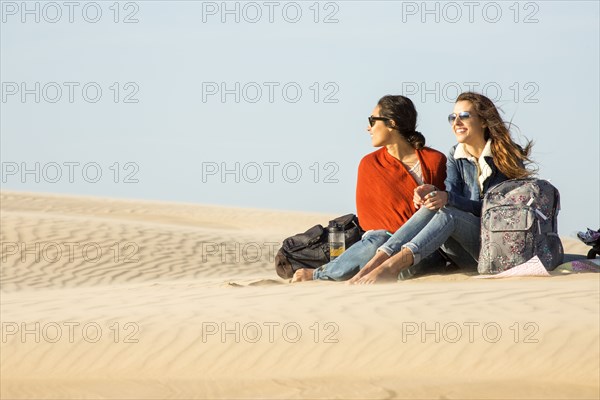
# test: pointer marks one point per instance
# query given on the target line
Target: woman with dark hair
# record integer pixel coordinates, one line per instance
(387, 180)
(484, 156)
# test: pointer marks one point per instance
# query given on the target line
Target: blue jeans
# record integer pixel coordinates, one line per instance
(352, 260)
(360, 253)
(455, 231)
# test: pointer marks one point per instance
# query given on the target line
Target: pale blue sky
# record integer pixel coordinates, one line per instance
(547, 72)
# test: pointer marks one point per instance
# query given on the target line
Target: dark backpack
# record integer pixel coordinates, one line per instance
(311, 248)
(519, 221)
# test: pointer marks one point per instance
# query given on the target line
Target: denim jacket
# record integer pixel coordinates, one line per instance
(462, 178)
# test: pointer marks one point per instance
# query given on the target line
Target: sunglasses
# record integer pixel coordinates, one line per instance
(462, 116)
(373, 119)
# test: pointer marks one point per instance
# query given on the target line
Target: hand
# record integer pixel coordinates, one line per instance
(420, 193)
(436, 200)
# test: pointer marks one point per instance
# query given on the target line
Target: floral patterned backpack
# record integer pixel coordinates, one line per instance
(519, 221)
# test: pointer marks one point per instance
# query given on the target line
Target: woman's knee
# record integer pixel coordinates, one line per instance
(445, 214)
(375, 238)
(458, 218)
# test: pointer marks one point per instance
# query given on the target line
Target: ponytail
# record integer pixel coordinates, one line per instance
(402, 111)
(416, 140)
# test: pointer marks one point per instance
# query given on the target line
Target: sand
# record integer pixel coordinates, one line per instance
(106, 298)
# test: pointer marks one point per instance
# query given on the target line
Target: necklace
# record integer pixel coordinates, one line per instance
(411, 163)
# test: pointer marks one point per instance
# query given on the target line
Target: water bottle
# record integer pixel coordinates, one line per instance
(337, 242)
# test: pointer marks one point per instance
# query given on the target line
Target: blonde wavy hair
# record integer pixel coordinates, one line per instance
(511, 158)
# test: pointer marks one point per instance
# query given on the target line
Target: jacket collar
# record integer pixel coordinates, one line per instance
(461, 152)
(483, 168)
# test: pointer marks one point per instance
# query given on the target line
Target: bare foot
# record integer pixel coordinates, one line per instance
(303, 274)
(389, 269)
(365, 271)
(376, 261)
(378, 275)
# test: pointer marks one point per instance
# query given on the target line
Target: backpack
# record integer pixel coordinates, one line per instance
(518, 222)
(311, 248)
(591, 238)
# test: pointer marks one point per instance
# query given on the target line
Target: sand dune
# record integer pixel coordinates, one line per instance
(164, 300)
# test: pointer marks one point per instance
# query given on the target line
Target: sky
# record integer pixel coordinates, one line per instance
(265, 104)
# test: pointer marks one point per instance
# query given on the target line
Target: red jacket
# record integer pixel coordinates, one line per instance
(385, 188)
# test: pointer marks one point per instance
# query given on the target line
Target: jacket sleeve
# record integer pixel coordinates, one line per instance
(454, 187)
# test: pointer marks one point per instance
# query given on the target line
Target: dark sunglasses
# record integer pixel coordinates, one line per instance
(462, 116)
(373, 119)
